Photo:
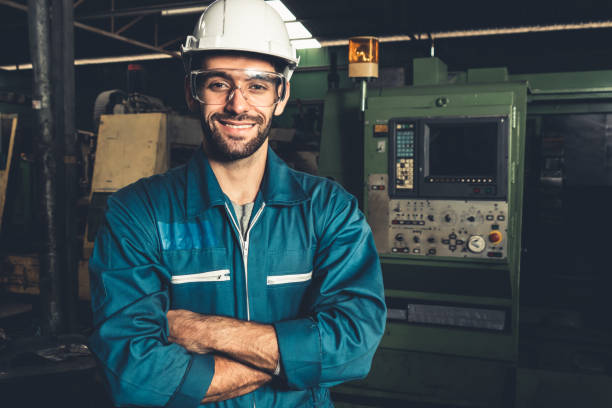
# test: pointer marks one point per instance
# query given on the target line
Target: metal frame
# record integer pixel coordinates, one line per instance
(115, 33)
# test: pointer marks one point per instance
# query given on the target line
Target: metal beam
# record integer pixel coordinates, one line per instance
(71, 168)
(141, 11)
(46, 142)
(112, 19)
(101, 32)
(168, 43)
(13, 4)
(129, 25)
(124, 39)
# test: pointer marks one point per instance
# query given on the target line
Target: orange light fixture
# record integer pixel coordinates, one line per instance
(363, 57)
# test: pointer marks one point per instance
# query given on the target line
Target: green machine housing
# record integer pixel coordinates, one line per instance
(442, 189)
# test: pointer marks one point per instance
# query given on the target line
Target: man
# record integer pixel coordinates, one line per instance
(235, 280)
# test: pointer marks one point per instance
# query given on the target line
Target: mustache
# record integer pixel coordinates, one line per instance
(243, 116)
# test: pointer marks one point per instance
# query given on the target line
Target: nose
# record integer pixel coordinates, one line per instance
(236, 102)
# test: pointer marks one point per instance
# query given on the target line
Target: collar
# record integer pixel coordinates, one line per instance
(279, 185)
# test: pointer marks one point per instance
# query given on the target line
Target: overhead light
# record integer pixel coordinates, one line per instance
(281, 9)
(183, 10)
(306, 43)
(297, 30)
(93, 61)
(16, 67)
(300, 37)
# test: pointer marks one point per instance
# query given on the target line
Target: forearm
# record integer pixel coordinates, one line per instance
(248, 342)
(233, 379)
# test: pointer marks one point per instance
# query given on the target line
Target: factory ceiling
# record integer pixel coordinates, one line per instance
(110, 28)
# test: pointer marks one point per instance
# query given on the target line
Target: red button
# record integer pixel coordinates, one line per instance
(495, 237)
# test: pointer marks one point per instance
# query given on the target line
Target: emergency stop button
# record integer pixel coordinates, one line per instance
(495, 237)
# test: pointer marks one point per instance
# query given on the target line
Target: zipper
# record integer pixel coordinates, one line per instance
(244, 245)
(212, 276)
(293, 278)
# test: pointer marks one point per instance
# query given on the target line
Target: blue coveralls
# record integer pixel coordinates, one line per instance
(308, 265)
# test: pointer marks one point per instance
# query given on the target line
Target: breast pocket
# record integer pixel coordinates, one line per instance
(201, 280)
(289, 276)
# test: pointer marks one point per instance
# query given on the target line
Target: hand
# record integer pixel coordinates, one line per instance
(183, 330)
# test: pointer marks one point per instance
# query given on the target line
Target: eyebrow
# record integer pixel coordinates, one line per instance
(225, 75)
(208, 74)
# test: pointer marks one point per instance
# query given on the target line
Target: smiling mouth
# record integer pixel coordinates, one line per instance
(237, 125)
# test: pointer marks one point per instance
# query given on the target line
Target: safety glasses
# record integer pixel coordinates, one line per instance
(218, 86)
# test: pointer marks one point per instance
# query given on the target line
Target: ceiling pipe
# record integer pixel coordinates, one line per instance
(482, 32)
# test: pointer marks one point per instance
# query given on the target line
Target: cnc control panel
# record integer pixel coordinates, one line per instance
(431, 227)
(404, 157)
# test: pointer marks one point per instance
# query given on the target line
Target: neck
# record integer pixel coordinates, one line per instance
(240, 179)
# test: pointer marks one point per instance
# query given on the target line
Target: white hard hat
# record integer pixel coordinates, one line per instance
(242, 25)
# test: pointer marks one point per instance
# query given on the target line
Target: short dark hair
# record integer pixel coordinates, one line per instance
(197, 59)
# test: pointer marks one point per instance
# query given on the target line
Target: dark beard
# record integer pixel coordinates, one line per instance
(219, 149)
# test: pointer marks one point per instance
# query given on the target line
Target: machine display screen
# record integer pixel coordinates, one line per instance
(448, 157)
(463, 149)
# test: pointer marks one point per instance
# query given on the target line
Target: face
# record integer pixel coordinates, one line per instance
(235, 130)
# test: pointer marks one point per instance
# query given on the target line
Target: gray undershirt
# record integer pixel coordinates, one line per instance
(243, 214)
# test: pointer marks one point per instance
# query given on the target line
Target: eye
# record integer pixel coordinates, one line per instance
(259, 87)
(217, 85)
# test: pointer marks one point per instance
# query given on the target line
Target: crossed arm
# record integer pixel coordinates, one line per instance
(246, 353)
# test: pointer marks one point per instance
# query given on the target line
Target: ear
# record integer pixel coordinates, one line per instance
(280, 106)
(193, 105)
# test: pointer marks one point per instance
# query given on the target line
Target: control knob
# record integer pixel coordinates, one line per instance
(399, 237)
(476, 244)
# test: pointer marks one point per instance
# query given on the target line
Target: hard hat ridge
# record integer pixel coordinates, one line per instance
(251, 26)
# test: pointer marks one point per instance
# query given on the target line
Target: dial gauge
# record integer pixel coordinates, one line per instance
(476, 244)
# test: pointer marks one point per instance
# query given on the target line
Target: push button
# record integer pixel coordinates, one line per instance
(495, 237)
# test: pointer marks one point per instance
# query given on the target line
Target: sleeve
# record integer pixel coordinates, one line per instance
(337, 342)
(129, 293)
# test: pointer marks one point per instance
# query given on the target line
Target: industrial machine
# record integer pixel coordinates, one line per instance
(443, 193)
(127, 148)
(488, 195)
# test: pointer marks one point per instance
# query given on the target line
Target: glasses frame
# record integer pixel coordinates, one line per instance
(194, 73)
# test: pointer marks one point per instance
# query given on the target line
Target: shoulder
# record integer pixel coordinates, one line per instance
(328, 202)
(322, 190)
(151, 195)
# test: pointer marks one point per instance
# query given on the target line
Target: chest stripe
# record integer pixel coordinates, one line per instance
(187, 235)
(212, 276)
(293, 278)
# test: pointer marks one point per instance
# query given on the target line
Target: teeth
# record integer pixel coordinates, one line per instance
(238, 126)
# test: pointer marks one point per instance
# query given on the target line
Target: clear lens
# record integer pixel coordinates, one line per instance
(217, 87)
